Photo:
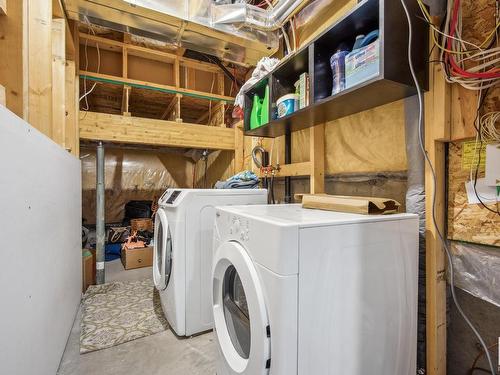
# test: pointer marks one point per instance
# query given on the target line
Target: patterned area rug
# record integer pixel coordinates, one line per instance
(118, 312)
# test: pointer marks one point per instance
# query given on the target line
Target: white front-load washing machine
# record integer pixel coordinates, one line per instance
(310, 292)
(182, 258)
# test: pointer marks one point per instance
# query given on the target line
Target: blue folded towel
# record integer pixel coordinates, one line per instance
(242, 180)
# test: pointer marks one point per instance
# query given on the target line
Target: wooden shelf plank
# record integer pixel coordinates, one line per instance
(3, 7)
(134, 130)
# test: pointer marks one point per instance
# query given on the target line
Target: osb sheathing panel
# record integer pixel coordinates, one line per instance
(471, 223)
(366, 142)
(131, 175)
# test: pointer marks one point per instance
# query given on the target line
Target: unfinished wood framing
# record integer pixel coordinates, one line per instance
(186, 80)
(124, 129)
(437, 131)
(58, 80)
(125, 100)
(40, 65)
(3, 100)
(13, 64)
(71, 133)
(317, 158)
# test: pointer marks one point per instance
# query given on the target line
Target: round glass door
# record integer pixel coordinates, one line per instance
(236, 312)
(240, 315)
(162, 258)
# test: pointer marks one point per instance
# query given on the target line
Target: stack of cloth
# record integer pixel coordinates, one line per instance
(242, 180)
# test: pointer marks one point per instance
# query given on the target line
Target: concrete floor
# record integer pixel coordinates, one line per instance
(163, 353)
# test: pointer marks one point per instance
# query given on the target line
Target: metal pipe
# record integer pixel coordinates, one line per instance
(100, 220)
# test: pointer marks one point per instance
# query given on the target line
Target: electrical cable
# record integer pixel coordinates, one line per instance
(87, 93)
(434, 188)
(474, 68)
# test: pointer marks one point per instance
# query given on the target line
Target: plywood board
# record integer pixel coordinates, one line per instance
(471, 223)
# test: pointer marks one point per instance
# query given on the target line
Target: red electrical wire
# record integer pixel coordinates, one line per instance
(490, 74)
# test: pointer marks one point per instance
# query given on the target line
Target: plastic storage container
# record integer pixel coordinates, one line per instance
(362, 64)
(287, 104)
(337, 63)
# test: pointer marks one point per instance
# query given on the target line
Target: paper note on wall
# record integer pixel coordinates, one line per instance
(470, 155)
(481, 193)
(492, 172)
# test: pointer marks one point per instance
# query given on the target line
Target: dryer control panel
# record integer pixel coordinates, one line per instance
(169, 196)
(239, 228)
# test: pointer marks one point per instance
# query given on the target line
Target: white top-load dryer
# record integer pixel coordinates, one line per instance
(310, 292)
(182, 258)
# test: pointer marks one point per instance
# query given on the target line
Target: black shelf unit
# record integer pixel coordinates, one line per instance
(393, 82)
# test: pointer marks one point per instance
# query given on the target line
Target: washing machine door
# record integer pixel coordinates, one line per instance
(240, 315)
(162, 251)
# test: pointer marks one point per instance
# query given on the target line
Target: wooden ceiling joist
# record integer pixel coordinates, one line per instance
(134, 130)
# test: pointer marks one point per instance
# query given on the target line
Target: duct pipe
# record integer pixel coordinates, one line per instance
(415, 203)
(100, 220)
(255, 17)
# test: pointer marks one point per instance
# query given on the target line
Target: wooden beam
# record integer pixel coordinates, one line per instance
(239, 147)
(289, 170)
(71, 136)
(146, 85)
(317, 158)
(123, 129)
(437, 129)
(178, 115)
(40, 65)
(125, 62)
(3, 100)
(170, 108)
(126, 100)
(294, 169)
(58, 80)
(14, 60)
(57, 9)
(3, 7)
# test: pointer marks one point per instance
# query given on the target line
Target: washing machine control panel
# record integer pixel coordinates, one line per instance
(239, 228)
(171, 199)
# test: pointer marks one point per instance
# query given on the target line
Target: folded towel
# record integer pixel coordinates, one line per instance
(242, 180)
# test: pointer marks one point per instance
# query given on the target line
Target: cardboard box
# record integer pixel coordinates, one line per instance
(88, 268)
(137, 258)
(351, 204)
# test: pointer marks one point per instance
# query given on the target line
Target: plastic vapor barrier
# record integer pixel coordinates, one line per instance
(476, 270)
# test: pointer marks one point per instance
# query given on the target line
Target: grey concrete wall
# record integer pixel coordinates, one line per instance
(40, 250)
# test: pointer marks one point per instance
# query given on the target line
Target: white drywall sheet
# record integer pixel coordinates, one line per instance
(40, 248)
